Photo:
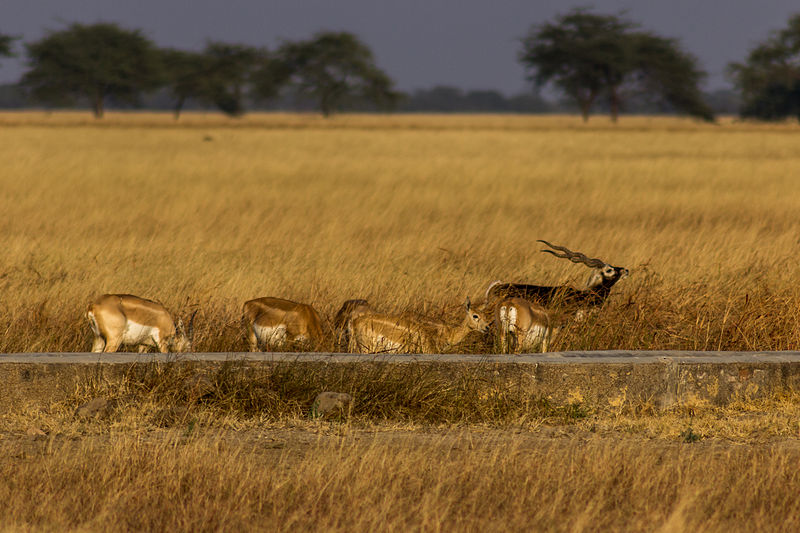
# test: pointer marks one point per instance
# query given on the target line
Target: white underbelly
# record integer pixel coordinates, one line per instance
(377, 343)
(385, 344)
(271, 334)
(140, 334)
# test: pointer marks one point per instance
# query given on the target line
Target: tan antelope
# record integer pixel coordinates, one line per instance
(522, 326)
(602, 278)
(343, 323)
(126, 320)
(276, 323)
(378, 333)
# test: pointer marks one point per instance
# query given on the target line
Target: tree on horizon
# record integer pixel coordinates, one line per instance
(229, 68)
(591, 56)
(769, 79)
(335, 68)
(95, 62)
(5, 45)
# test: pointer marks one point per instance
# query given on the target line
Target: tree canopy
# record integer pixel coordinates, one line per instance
(185, 75)
(5, 45)
(334, 68)
(228, 69)
(769, 80)
(596, 60)
(95, 62)
(590, 56)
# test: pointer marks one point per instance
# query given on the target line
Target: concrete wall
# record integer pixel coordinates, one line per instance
(603, 380)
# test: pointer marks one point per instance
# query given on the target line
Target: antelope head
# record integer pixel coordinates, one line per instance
(183, 340)
(604, 274)
(475, 319)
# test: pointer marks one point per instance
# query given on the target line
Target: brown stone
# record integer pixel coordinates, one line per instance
(94, 408)
(331, 403)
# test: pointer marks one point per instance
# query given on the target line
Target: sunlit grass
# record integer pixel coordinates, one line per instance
(412, 212)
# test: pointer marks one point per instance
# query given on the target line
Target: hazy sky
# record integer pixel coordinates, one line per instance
(471, 44)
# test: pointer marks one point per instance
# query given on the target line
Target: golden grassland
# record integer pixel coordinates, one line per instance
(421, 457)
(237, 459)
(320, 480)
(414, 213)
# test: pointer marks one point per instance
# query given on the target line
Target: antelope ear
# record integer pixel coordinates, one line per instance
(468, 304)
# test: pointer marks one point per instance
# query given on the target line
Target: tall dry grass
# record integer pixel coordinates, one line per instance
(421, 450)
(410, 212)
(362, 481)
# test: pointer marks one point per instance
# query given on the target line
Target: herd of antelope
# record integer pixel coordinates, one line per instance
(519, 315)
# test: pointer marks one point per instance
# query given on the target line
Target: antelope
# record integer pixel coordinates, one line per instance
(598, 287)
(342, 324)
(378, 333)
(522, 326)
(124, 319)
(275, 323)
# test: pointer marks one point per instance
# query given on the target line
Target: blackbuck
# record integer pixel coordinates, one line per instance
(522, 326)
(126, 320)
(276, 323)
(598, 287)
(343, 322)
(378, 333)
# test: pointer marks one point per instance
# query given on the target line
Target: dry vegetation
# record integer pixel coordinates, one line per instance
(432, 456)
(364, 481)
(416, 452)
(412, 213)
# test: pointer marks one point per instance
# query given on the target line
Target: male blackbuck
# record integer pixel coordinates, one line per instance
(521, 326)
(602, 278)
(276, 323)
(343, 323)
(378, 333)
(124, 319)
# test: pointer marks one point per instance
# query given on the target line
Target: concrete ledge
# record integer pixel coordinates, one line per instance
(593, 357)
(602, 380)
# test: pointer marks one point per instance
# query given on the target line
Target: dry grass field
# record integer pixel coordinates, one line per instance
(240, 460)
(310, 479)
(413, 213)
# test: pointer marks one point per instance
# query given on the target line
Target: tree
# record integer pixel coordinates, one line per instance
(769, 80)
(228, 71)
(662, 69)
(95, 62)
(185, 73)
(334, 68)
(589, 56)
(581, 53)
(269, 76)
(5, 45)
(221, 75)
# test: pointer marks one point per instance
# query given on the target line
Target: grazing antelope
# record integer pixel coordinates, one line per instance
(275, 323)
(522, 326)
(376, 333)
(342, 324)
(124, 319)
(603, 277)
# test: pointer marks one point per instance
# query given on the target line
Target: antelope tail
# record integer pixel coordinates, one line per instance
(93, 322)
